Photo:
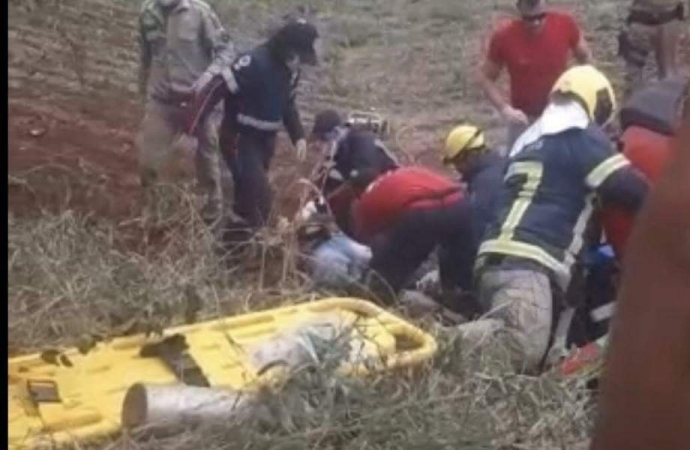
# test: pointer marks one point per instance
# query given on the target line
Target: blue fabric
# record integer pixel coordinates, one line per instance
(600, 256)
(339, 262)
(484, 184)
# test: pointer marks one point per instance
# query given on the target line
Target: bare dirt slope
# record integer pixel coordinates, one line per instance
(71, 108)
(74, 113)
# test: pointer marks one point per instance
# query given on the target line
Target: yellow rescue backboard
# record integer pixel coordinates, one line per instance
(80, 396)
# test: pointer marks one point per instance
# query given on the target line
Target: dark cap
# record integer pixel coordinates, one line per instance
(298, 36)
(324, 122)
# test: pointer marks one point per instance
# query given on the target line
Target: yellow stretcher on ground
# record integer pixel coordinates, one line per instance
(79, 396)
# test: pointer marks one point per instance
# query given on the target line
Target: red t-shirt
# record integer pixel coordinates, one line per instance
(395, 192)
(534, 61)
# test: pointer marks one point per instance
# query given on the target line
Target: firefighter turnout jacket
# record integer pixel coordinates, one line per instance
(549, 195)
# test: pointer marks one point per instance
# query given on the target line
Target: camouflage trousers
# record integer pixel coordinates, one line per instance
(160, 130)
(519, 305)
(638, 42)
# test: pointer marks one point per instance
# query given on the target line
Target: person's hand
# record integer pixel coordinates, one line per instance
(201, 83)
(514, 116)
(301, 149)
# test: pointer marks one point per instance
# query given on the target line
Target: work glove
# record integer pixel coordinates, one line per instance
(514, 116)
(301, 148)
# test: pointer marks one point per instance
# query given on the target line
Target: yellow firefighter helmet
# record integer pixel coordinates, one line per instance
(592, 89)
(463, 138)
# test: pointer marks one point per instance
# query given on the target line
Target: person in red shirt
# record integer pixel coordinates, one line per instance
(404, 215)
(534, 49)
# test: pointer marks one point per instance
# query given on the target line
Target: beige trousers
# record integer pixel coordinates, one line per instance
(160, 130)
(519, 304)
(641, 41)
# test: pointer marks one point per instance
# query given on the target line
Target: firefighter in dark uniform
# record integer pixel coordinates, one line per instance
(480, 168)
(347, 152)
(559, 168)
(259, 93)
(404, 215)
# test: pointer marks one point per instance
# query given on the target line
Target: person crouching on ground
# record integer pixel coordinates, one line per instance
(404, 215)
(346, 153)
(525, 262)
(480, 168)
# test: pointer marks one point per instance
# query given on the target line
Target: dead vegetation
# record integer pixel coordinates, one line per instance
(74, 274)
(71, 286)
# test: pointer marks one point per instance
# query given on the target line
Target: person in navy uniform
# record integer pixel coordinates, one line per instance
(348, 151)
(258, 90)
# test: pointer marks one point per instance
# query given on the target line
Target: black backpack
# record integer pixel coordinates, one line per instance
(656, 107)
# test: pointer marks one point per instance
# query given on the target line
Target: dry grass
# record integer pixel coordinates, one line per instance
(70, 278)
(459, 402)
(68, 282)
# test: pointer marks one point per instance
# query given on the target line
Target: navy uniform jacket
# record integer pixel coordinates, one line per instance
(356, 151)
(259, 92)
(548, 198)
(484, 184)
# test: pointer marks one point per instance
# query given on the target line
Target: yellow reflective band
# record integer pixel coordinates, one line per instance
(579, 230)
(534, 172)
(528, 251)
(601, 172)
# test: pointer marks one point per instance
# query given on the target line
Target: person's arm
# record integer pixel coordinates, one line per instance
(456, 269)
(645, 400)
(144, 61)
(626, 187)
(581, 51)
(393, 162)
(614, 179)
(293, 122)
(488, 75)
(219, 45)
